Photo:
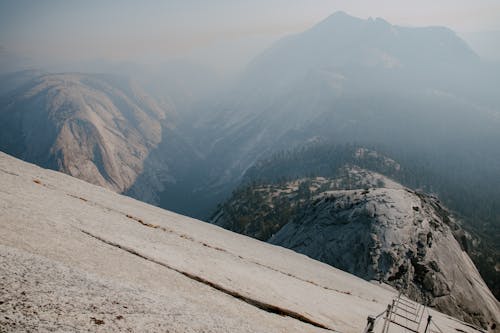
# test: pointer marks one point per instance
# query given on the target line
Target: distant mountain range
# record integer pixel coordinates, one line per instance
(353, 80)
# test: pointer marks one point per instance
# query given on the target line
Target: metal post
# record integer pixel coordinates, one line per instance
(428, 323)
(370, 324)
(385, 328)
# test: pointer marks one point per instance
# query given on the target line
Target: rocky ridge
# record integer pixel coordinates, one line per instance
(377, 230)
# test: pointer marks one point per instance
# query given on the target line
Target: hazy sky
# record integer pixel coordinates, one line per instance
(153, 29)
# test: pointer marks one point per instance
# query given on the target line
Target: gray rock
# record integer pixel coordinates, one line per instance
(391, 234)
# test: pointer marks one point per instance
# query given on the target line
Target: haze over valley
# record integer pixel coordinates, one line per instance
(311, 129)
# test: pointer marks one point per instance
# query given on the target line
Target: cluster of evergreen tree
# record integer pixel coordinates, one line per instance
(257, 212)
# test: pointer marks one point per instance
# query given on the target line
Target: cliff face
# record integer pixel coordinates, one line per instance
(99, 128)
(379, 231)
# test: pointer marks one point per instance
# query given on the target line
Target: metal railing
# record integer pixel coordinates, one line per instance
(405, 314)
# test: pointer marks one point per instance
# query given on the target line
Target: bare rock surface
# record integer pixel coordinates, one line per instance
(78, 257)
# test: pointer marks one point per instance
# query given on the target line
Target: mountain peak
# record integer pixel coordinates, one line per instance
(340, 13)
(339, 17)
(343, 17)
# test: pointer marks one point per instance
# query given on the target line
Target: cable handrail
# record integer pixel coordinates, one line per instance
(436, 326)
(380, 314)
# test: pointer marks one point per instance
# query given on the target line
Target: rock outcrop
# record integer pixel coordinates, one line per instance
(377, 230)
